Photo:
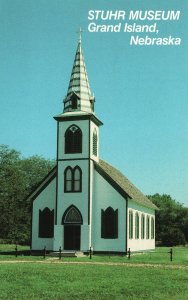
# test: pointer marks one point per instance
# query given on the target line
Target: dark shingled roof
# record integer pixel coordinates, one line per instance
(122, 184)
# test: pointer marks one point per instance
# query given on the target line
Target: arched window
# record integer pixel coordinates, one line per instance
(46, 223)
(95, 142)
(137, 226)
(77, 179)
(73, 140)
(72, 180)
(152, 228)
(130, 224)
(72, 216)
(68, 179)
(142, 226)
(109, 223)
(147, 227)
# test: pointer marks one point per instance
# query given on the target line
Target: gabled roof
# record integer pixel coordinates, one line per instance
(112, 175)
(122, 184)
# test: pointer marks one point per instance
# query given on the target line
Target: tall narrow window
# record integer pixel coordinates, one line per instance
(72, 180)
(109, 223)
(137, 226)
(68, 178)
(95, 142)
(46, 223)
(73, 140)
(142, 226)
(147, 227)
(77, 179)
(130, 224)
(152, 228)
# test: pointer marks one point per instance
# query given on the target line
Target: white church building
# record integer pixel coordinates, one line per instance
(84, 201)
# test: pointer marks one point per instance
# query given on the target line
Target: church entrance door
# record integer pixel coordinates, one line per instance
(72, 237)
(72, 221)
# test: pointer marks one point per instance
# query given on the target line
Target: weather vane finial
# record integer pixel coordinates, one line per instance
(79, 34)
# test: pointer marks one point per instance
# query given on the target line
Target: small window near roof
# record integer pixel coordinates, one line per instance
(74, 103)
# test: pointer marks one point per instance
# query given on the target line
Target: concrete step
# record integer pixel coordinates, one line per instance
(66, 253)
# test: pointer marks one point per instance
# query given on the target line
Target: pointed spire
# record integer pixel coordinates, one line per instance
(79, 96)
(80, 34)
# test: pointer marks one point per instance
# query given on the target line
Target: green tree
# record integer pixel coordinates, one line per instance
(171, 220)
(18, 177)
(173, 237)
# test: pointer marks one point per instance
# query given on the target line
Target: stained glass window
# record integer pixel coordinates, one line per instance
(72, 216)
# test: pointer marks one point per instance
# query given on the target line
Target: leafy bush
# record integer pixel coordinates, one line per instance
(173, 237)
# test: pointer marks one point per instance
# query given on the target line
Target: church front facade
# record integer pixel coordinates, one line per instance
(84, 202)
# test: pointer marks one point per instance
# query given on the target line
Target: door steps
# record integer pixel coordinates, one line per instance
(66, 253)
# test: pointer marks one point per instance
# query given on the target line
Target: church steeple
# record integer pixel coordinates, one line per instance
(79, 96)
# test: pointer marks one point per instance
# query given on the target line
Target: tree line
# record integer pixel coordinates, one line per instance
(171, 221)
(18, 178)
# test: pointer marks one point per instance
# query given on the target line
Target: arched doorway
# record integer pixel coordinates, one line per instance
(72, 220)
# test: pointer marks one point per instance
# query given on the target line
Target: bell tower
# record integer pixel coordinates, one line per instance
(77, 149)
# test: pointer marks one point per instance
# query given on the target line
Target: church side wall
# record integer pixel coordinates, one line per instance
(137, 244)
(104, 195)
(46, 198)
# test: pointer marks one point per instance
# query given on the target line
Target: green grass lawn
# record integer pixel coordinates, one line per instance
(11, 247)
(161, 279)
(64, 281)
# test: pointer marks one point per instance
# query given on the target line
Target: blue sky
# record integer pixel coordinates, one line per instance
(141, 92)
